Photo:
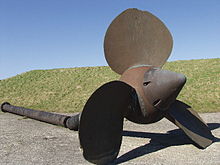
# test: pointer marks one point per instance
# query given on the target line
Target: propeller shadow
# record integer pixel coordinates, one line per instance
(159, 141)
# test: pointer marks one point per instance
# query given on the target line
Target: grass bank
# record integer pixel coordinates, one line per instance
(66, 90)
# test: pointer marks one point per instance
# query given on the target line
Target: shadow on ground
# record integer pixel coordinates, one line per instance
(158, 141)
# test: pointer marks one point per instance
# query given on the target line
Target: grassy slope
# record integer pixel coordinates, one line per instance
(66, 90)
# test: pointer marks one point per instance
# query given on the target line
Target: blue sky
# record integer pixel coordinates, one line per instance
(47, 34)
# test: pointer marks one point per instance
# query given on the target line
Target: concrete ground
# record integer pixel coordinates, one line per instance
(28, 142)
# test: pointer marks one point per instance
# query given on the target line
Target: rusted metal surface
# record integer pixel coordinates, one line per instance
(73, 122)
(101, 122)
(157, 91)
(183, 116)
(149, 114)
(52, 118)
(136, 38)
(161, 87)
(35, 114)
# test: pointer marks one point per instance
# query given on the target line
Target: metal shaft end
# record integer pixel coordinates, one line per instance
(2, 106)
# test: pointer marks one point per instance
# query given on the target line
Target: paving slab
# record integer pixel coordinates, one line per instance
(28, 142)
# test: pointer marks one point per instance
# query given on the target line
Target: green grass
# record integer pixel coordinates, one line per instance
(66, 90)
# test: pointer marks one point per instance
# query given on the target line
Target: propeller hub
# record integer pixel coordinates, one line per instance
(161, 87)
(156, 90)
(144, 112)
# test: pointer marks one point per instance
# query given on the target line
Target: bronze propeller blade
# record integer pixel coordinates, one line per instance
(136, 38)
(183, 116)
(101, 123)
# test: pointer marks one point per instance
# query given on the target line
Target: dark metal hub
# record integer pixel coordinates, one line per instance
(161, 87)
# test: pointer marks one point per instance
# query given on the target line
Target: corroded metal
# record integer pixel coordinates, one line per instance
(183, 116)
(101, 122)
(136, 38)
(149, 114)
(73, 122)
(156, 90)
(136, 45)
(70, 122)
(161, 87)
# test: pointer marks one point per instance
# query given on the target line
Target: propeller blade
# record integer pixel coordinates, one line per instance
(136, 38)
(101, 122)
(183, 116)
